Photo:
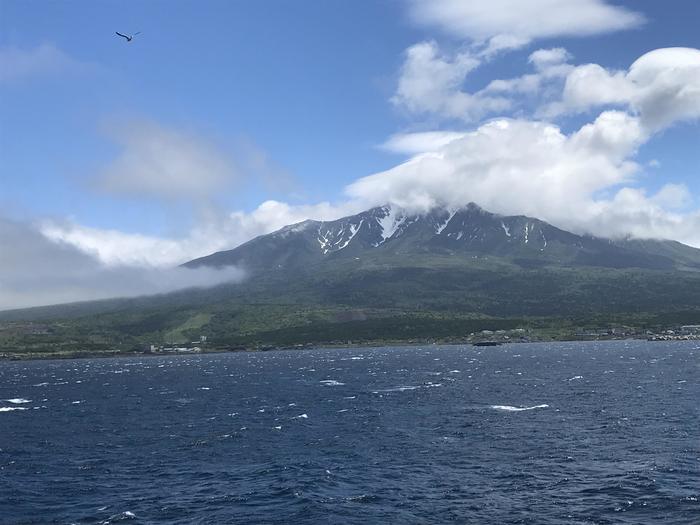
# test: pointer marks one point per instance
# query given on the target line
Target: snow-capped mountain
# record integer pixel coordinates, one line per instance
(470, 232)
(385, 264)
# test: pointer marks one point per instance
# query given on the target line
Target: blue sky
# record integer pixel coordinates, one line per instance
(293, 101)
(307, 82)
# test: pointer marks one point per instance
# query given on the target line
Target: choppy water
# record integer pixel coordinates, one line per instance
(528, 433)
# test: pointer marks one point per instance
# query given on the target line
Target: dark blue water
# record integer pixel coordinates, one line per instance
(528, 433)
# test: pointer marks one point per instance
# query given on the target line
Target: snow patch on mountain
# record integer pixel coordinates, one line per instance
(354, 228)
(335, 238)
(505, 229)
(323, 241)
(390, 223)
(442, 226)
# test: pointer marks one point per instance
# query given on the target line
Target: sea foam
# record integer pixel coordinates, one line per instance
(509, 408)
(18, 400)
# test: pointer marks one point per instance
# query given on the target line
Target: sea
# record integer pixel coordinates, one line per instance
(541, 433)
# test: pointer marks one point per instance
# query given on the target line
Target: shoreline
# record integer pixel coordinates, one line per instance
(14, 357)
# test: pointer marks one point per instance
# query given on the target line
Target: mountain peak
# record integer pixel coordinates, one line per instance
(473, 206)
(391, 232)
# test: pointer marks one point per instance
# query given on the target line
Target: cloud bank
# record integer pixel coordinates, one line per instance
(213, 233)
(512, 166)
(37, 271)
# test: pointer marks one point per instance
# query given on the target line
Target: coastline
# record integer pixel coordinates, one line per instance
(59, 356)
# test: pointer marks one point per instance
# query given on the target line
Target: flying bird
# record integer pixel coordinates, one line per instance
(129, 38)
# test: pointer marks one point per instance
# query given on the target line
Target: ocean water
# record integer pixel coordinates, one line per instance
(576, 433)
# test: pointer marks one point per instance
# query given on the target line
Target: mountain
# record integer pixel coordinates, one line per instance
(385, 274)
(388, 232)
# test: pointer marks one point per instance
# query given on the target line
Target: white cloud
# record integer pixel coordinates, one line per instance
(543, 59)
(508, 24)
(163, 163)
(431, 83)
(507, 165)
(614, 136)
(46, 59)
(64, 262)
(214, 233)
(114, 248)
(551, 65)
(667, 83)
(159, 162)
(592, 85)
(37, 271)
(415, 143)
(533, 168)
(673, 196)
(662, 86)
(632, 212)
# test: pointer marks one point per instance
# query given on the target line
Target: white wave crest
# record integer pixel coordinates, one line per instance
(509, 408)
(18, 400)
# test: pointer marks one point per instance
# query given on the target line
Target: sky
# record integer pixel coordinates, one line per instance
(224, 120)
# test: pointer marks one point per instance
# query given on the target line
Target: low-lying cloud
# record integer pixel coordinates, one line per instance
(215, 232)
(37, 271)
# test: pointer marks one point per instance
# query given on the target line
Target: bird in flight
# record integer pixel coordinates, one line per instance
(129, 38)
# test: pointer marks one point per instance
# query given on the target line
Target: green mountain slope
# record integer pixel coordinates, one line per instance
(384, 274)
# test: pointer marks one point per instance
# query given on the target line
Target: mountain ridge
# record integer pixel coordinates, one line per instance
(464, 232)
(385, 275)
